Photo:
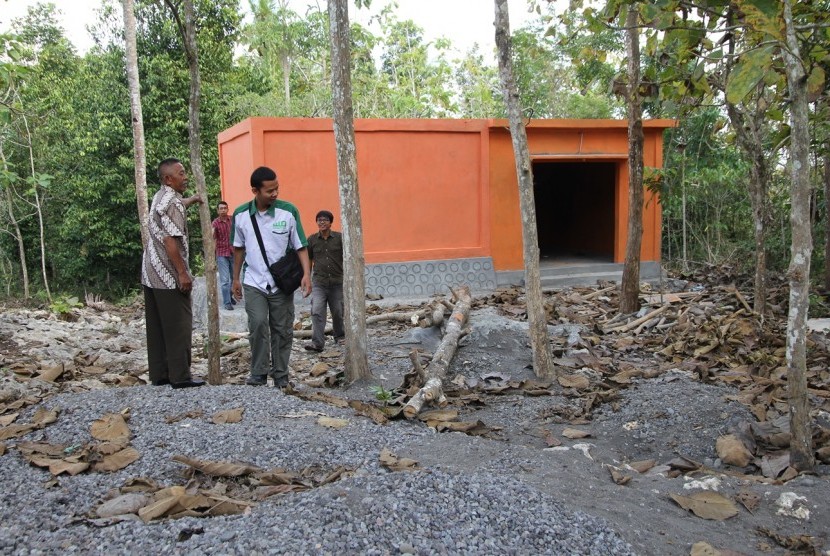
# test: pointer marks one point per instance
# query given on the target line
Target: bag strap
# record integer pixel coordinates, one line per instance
(258, 235)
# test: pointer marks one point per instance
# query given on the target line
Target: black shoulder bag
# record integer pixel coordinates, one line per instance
(287, 272)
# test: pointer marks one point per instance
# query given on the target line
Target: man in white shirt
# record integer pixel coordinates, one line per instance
(270, 310)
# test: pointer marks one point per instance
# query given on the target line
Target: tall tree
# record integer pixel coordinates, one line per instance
(630, 287)
(357, 363)
(188, 32)
(537, 318)
(138, 118)
(801, 451)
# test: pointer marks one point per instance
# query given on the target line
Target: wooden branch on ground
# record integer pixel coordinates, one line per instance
(432, 391)
(634, 324)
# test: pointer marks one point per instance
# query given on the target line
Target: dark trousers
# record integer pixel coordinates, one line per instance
(169, 322)
(320, 296)
(271, 331)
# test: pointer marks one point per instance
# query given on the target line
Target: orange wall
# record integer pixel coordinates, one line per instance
(421, 186)
(578, 141)
(428, 187)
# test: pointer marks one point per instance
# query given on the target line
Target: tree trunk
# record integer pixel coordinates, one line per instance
(630, 287)
(18, 235)
(38, 209)
(827, 220)
(536, 316)
(138, 118)
(748, 131)
(357, 363)
(188, 31)
(801, 445)
(432, 390)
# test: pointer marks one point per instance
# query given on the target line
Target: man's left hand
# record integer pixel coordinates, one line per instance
(305, 286)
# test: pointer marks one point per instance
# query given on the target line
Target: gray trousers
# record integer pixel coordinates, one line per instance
(320, 296)
(271, 329)
(169, 322)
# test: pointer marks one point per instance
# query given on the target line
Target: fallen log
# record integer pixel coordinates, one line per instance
(432, 391)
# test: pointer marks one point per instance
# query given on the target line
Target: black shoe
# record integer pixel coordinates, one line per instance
(228, 307)
(161, 382)
(281, 382)
(233, 301)
(312, 347)
(257, 380)
(192, 383)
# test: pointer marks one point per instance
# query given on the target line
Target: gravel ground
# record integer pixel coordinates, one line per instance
(436, 510)
(508, 493)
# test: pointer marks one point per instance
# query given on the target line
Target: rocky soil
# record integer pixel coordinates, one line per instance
(627, 434)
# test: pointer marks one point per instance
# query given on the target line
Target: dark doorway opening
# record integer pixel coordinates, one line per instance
(575, 210)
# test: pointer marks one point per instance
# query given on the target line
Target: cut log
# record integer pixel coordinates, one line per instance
(432, 391)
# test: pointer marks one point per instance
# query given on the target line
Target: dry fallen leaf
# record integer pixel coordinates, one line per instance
(369, 410)
(618, 477)
(228, 416)
(732, 451)
(395, 463)
(2, 448)
(58, 466)
(574, 434)
(13, 431)
(6, 420)
(194, 414)
(43, 417)
(799, 543)
(439, 415)
(128, 503)
(319, 369)
(574, 381)
(332, 423)
(217, 468)
(704, 549)
(707, 504)
(51, 374)
(111, 427)
(749, 500)
(642, 466)
(118, 460)
(160, 507)
(550, 440)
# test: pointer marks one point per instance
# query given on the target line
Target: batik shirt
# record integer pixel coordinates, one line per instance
(166, 219)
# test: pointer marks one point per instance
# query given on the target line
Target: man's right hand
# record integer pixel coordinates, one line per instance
(185, 282)
(236, 290)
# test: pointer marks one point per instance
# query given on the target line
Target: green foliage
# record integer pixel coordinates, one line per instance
(381, 393)
(63, 305)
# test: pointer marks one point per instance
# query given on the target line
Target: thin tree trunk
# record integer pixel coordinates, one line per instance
(827, 220)
(188, 32)
(18, 235)
(357, 363)
(138, 118)
(801, 445)
(39, 209)
(537, 318)
(630, 287)
(748, 131)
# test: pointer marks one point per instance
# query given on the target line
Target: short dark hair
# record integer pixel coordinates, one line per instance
(220, 203)
(164, 164)
(260, 175)
(324, 214)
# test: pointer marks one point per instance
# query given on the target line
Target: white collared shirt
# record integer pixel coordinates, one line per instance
(279, 226)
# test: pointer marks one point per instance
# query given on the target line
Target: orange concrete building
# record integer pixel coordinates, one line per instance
(439, 198)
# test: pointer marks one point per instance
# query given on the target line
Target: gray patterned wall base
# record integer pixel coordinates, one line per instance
(429, 277)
